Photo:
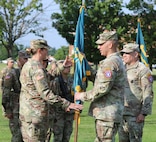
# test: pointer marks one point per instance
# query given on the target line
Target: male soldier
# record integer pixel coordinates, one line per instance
(22, 58)
(63, 121)
(138, 95)
(10, 92)
(107, 95)
(12, 88)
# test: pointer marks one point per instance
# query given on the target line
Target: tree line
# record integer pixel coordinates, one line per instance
(18, 18)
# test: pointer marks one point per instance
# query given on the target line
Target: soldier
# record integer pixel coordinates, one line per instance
(138, 95)
(63, 121)
(10, 99)
(107, 93)
(35, 95)
(22, 58)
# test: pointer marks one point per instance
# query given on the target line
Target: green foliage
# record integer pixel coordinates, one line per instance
(19, 17)
(61, 53)
(52, 51)
(98, 16)
(101, 15)
(147, 14)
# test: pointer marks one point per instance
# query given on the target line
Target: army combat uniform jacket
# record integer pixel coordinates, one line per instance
(10, 90)
(35, 93)
(138, 93)
(107, 95)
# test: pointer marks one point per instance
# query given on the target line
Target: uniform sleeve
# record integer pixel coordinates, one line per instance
(146, 85)
(16, 83)
(55, 86)
(42, 87)
(6, 93)
(103, 83)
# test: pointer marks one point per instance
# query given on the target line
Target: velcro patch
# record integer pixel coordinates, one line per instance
(108, 73)
(7, 77)
(150, 78)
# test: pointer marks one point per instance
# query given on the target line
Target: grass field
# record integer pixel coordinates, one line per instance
(86, 132)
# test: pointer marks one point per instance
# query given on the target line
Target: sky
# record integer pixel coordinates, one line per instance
(51, 35)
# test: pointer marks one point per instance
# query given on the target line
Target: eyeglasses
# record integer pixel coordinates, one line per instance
(126, 53)
(102, 43)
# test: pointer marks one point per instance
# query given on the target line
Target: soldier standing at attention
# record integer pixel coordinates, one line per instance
(10, 99)
(63, 121)
(107, 95)
(138, 95)
(36, 94)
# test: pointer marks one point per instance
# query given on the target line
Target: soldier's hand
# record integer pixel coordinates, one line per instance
(9, 115)
(67, 62)
(140, 118)
(77, 96)
(74, 106)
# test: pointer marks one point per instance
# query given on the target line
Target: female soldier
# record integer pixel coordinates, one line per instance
(35, 95)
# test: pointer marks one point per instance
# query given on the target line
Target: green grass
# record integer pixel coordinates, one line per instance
(86, 131)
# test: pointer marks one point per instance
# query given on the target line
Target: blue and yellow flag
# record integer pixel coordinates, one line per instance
(81, 67)
(140, 41)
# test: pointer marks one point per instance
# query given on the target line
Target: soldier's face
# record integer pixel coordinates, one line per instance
(10, 64)
(103, 48)
(44, 53)
(66, 70)
(23, 61)
(130, 58)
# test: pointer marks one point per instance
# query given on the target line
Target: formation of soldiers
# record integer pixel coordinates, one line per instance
(39, 102)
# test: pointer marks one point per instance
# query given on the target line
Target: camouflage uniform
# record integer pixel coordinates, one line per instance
(138, 99)
(107, 94)
(63, 121)
(34, 97)
(10, 101)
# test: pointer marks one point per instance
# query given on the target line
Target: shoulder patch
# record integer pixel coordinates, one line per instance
(107, 73)
(150, 78)
(7, 77)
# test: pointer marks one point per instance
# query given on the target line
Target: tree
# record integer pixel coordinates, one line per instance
(109, 15)
(61, 53)
(20, 17)
(98, 16)
(147, 14)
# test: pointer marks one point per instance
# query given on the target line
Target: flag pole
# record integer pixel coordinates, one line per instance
(78, 45)
(77, 115)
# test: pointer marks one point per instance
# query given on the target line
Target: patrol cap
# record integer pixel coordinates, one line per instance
(10, 59)
(107, 35)
(39, 43)
(130, 47)
(23, 54)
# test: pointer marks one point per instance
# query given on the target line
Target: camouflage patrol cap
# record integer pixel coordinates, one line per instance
(10, 59)
(39, 43)
(107, 35)
(130, 47)
(23, 54)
